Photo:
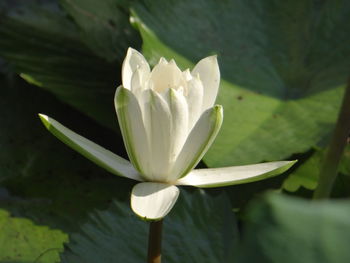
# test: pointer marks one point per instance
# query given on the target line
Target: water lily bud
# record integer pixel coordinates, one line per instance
(168, 121)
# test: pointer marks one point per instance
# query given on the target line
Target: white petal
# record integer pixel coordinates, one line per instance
(199, 140)
(132, 61)
(157, 118)
(216, 177)
(209, 74)
(187, 75)
(179, 125)
(194, 100)
(163, 61)
(139, 81)
(99, 155)
(133, 130)
(153, 201)
(166, 75)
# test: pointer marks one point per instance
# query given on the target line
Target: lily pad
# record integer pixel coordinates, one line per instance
(283, 65)
(45, 180)
(306, 175)
(22, 241)
(288, 229)
(104, 26)
(200, 228)
(51, 51)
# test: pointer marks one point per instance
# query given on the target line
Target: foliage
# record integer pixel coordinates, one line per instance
(283, 64)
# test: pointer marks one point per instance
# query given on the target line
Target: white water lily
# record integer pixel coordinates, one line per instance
(168, 121)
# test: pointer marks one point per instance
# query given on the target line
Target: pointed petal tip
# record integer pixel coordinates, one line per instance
(118, 90)
(131, 51)
(132, 61)
(119, 96)
(213, 57)
(162, 60)
(43, 116)
(290, 163)
(219, 109)
(45, 120)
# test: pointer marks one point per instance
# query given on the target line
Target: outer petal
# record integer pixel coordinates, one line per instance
(132, 61)
(194, 100)
(99, 155)
(133, 129)
(209, 74)
(139, 81)
(153, 201)
(199, 140)
(216, 177)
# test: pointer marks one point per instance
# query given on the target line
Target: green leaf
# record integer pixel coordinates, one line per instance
(23, 241)
(104, 25)
(45, 180)
(283, 66)
(192, 233)
(49, 50)
(344, 166)
(287, 229)
(306, 175)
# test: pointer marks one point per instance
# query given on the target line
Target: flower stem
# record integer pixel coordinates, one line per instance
(155, 241)
(329, 168)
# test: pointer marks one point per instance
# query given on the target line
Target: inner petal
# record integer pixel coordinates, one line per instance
(166, 75)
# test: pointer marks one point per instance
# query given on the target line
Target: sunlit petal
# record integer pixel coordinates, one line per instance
(209, 74)
(132, 61)
(194, 100)
(166, 75)
(99, 155)
(157, 117)
(133, 130)
(153, 201)
(199, 140)
(216, 177)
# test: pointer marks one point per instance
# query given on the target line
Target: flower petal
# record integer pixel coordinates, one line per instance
(199, 140)
(179, 125)
(133, 129)
(187, 74)
(153, 201)
(179, 114)
(157, 118)
(194, 100)
(166, 75)
(132, 61)
(99, 155)
(139, 81)
(216, 177)
(209, 74)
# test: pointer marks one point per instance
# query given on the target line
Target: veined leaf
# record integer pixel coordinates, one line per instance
(283, 66)
(192, 233)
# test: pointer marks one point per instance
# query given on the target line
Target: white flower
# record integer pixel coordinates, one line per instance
(168, 121)
(167, 117)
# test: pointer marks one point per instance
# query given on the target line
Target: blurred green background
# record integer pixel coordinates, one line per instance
(284, 65)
